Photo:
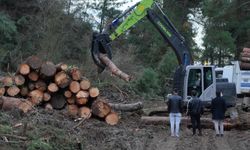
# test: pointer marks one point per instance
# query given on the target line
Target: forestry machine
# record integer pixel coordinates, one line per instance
(186, 75)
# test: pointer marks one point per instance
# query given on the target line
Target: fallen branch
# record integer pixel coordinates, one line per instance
(113, 68)
(14, 136)
(127, 107)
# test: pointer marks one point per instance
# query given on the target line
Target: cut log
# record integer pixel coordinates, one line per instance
(33, 76)
(24, 69)
(113, 68)
(48, 107)
(100, 108)
(82, 94)
(31, 86)
(53, 88)
(34, 62)
(61, 67)
(127, 107)
(84, 112)
(48, 69)
(25, 106)
(24, 91)
(41, 85)
(74, 86)
(8, 81)
(72, 110)
(2, 91)
(94, 92)
(36, 97)
(75, 74)
(46, 96)
(62, 79)
(13, 90)
(112, 118)
(71, 100)
(10, 103)
(19, 80)
(68, 94)
(58, 101)
(81, 101)
(85, 84)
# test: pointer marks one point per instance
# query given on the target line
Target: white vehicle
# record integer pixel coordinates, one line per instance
(241, 78)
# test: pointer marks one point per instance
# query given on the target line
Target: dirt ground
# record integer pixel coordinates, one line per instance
(54, 130)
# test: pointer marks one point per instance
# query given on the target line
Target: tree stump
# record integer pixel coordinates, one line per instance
(13, 91)
(94, 92)
(85, 84)
(53, 88)
(24, 69)
(36, 97)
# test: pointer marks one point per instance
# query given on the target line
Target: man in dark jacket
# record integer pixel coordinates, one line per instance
(218, 108)
(195, 109)
(175, 109)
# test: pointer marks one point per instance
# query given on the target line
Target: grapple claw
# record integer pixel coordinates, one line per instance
(100, 44)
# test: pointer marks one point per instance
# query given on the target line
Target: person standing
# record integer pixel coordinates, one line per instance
(175, 109)
(218, 108)
(195, 110)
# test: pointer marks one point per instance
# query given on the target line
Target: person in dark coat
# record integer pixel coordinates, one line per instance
(195, 110)
(175, 109)
(218, 108)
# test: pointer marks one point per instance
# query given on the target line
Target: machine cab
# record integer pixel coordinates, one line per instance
(203, 80)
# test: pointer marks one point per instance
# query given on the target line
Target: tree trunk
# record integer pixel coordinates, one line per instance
(33, 76)
(112, 118)
(84, 112)
(9, 103)
(113, 68)
(46, 96)
(94, 92)
(41, 85)
(75, 74)
(34, 62)
(68, 94)
(62, 79)
(13, 90)
(19, 80)
(7, 81)
(24, 69)
(2, 91)
(127, 107)
(74, 87)
(58, 101)
(24, 91)
(100, 108)
(48, 69)
(36, 97)
(53, 88)
(72, 110)
(85, 84)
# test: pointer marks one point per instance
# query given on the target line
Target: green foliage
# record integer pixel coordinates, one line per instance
(39, 144)
(5, 129)
(148, 84)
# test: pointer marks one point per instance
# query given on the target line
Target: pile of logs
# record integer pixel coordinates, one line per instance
(38, 83)
(245, 59)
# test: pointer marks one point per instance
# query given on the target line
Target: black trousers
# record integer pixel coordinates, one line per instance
(196, 122)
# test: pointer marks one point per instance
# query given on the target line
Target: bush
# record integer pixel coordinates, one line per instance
(148, 84)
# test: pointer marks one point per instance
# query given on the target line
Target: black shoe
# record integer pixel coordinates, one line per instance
(217, 135)
(221, 135)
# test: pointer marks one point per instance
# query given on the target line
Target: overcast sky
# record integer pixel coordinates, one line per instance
(199, 28)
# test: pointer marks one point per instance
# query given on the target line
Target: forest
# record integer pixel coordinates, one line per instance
(61, 31)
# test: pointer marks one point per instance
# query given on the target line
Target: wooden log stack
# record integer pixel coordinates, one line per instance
(38, 83)
(245, 59)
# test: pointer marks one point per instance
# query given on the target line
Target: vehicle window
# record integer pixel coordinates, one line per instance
(194, 81)
(208, 77)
